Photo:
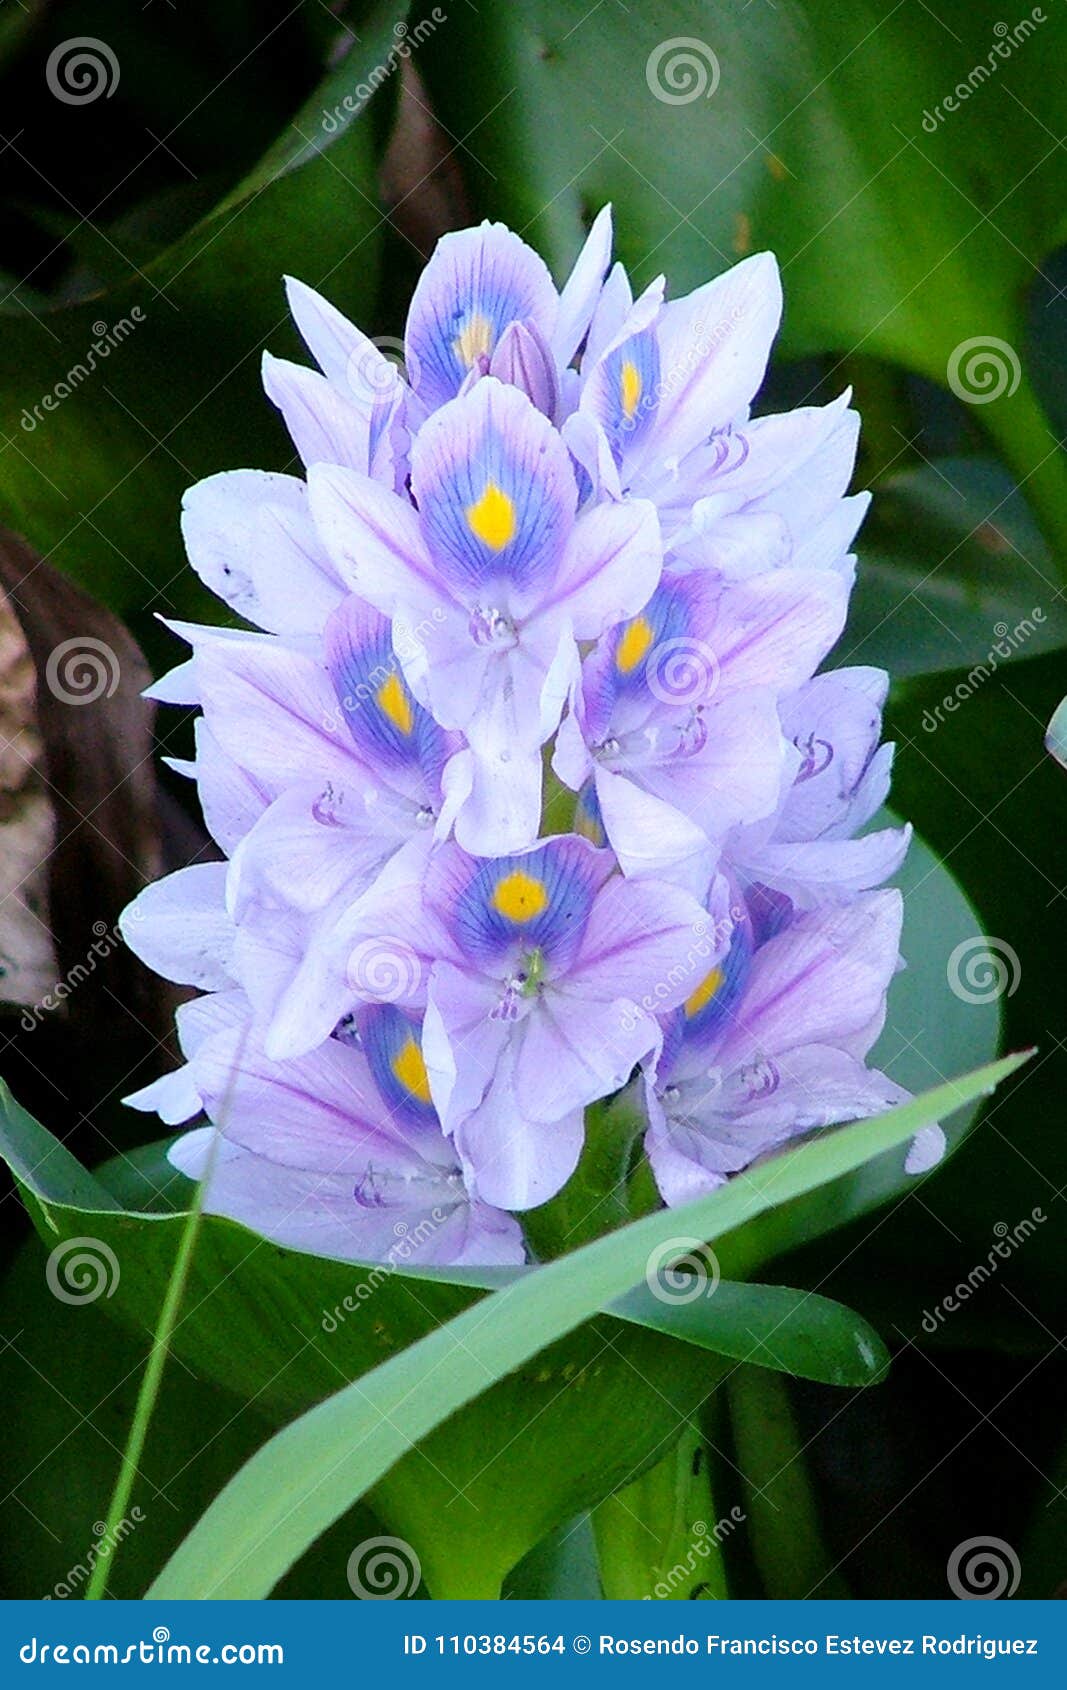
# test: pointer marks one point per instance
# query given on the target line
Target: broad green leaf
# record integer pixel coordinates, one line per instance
(723, 132)
(69, 1378)
(993, 803)
(298, 1484)
(953, 571)
(549, 1438)
(95, 480)
(788, 1331)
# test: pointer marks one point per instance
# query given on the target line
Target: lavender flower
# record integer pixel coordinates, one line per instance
(556, 536)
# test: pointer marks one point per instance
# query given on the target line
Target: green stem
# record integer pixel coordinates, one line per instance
(1028, 445)
(659, 1537)
(150, 1384)
(784, 1529)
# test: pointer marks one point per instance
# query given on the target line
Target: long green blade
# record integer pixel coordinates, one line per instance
(311, 1472)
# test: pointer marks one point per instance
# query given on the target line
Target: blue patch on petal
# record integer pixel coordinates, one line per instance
(386, 722)
(496, 491)
(537, 901)
(717, 994)
(588, 821)
(477, 282)
(392, 1044)
(628, 386)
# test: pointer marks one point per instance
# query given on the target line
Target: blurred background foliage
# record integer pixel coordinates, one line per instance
(214, 165)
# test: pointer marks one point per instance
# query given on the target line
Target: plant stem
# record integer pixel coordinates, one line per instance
(784, 1529)
(1028, 445)
(658, 1538)
(148, 1393)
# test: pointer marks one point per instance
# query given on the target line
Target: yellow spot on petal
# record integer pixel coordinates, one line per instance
(393, 702)
(633, 645)
(629, 388)
(410, 1070)
(519, 897)
(704, 993)
(474, 341)
(492, 518)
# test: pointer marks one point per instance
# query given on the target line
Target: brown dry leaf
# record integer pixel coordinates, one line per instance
(79, 837)
(28, 964)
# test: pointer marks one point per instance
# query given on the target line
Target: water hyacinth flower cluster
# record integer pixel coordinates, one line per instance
(526, 784)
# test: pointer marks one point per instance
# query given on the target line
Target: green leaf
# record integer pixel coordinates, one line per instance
(788, 1331)
(549, 1438)
(95, 480)
(294, 1487)
(993, 803)
(953, 570)
(900, 235)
